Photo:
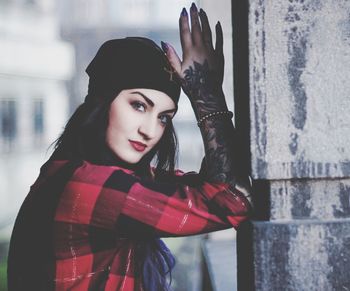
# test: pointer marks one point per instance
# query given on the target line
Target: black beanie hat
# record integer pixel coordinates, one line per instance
(132, 62)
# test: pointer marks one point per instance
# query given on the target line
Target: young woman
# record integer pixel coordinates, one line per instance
(94, 217)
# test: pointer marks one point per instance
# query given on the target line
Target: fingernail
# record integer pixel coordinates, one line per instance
(184, 12)
(194, 7)
(165, 46)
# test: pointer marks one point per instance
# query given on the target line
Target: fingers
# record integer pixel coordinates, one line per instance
(206, 31)
(199, 33)
(185, 33)
(197, 40)
(172, 56)
(195, 26)
(219, 40)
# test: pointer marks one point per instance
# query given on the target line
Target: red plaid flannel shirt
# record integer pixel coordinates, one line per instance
(103, 211)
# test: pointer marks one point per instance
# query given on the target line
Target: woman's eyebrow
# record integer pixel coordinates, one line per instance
(169, 111)
(150, 102)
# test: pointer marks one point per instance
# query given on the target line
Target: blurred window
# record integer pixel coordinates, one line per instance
(8, 119)
(38, 120)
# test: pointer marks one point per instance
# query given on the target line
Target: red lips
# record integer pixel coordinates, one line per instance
(138, 146)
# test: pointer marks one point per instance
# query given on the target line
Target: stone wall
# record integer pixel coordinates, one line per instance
(294, 57)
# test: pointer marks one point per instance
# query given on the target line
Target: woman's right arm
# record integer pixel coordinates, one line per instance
(112, 198)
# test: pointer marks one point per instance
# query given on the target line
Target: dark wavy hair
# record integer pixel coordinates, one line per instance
(84, 138)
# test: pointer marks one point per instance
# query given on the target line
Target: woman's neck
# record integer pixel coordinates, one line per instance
(110, 159)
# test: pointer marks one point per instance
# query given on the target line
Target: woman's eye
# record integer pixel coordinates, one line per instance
(165, 119)
(139, 106)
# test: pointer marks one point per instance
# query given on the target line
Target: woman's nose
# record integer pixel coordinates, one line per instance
(148, 128)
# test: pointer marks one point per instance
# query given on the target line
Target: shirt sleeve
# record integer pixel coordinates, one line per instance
(110, 197)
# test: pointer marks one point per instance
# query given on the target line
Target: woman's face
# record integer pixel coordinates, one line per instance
(137, 120)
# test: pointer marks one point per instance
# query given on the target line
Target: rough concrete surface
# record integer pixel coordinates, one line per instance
(309, 199)
(299, 66)
(299, 53)
(308, 256)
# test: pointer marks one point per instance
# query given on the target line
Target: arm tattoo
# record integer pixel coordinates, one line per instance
(218, 137)
(202, 86)
(198, 81)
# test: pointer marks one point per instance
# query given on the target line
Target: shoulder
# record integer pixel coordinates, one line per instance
(87, 172)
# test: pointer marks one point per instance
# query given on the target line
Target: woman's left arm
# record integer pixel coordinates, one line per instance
(201, 72)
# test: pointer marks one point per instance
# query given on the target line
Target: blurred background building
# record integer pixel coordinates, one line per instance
(35, 64)
(45, 46)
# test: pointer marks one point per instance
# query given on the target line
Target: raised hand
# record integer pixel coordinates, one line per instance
(201, 73)
(202, 67)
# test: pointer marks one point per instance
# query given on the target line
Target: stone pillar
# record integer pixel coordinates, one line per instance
(292, 58)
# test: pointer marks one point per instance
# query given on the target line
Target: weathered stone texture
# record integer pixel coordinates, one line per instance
(309, 199)
(303, 256)
(299, 66)
(300, 93)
